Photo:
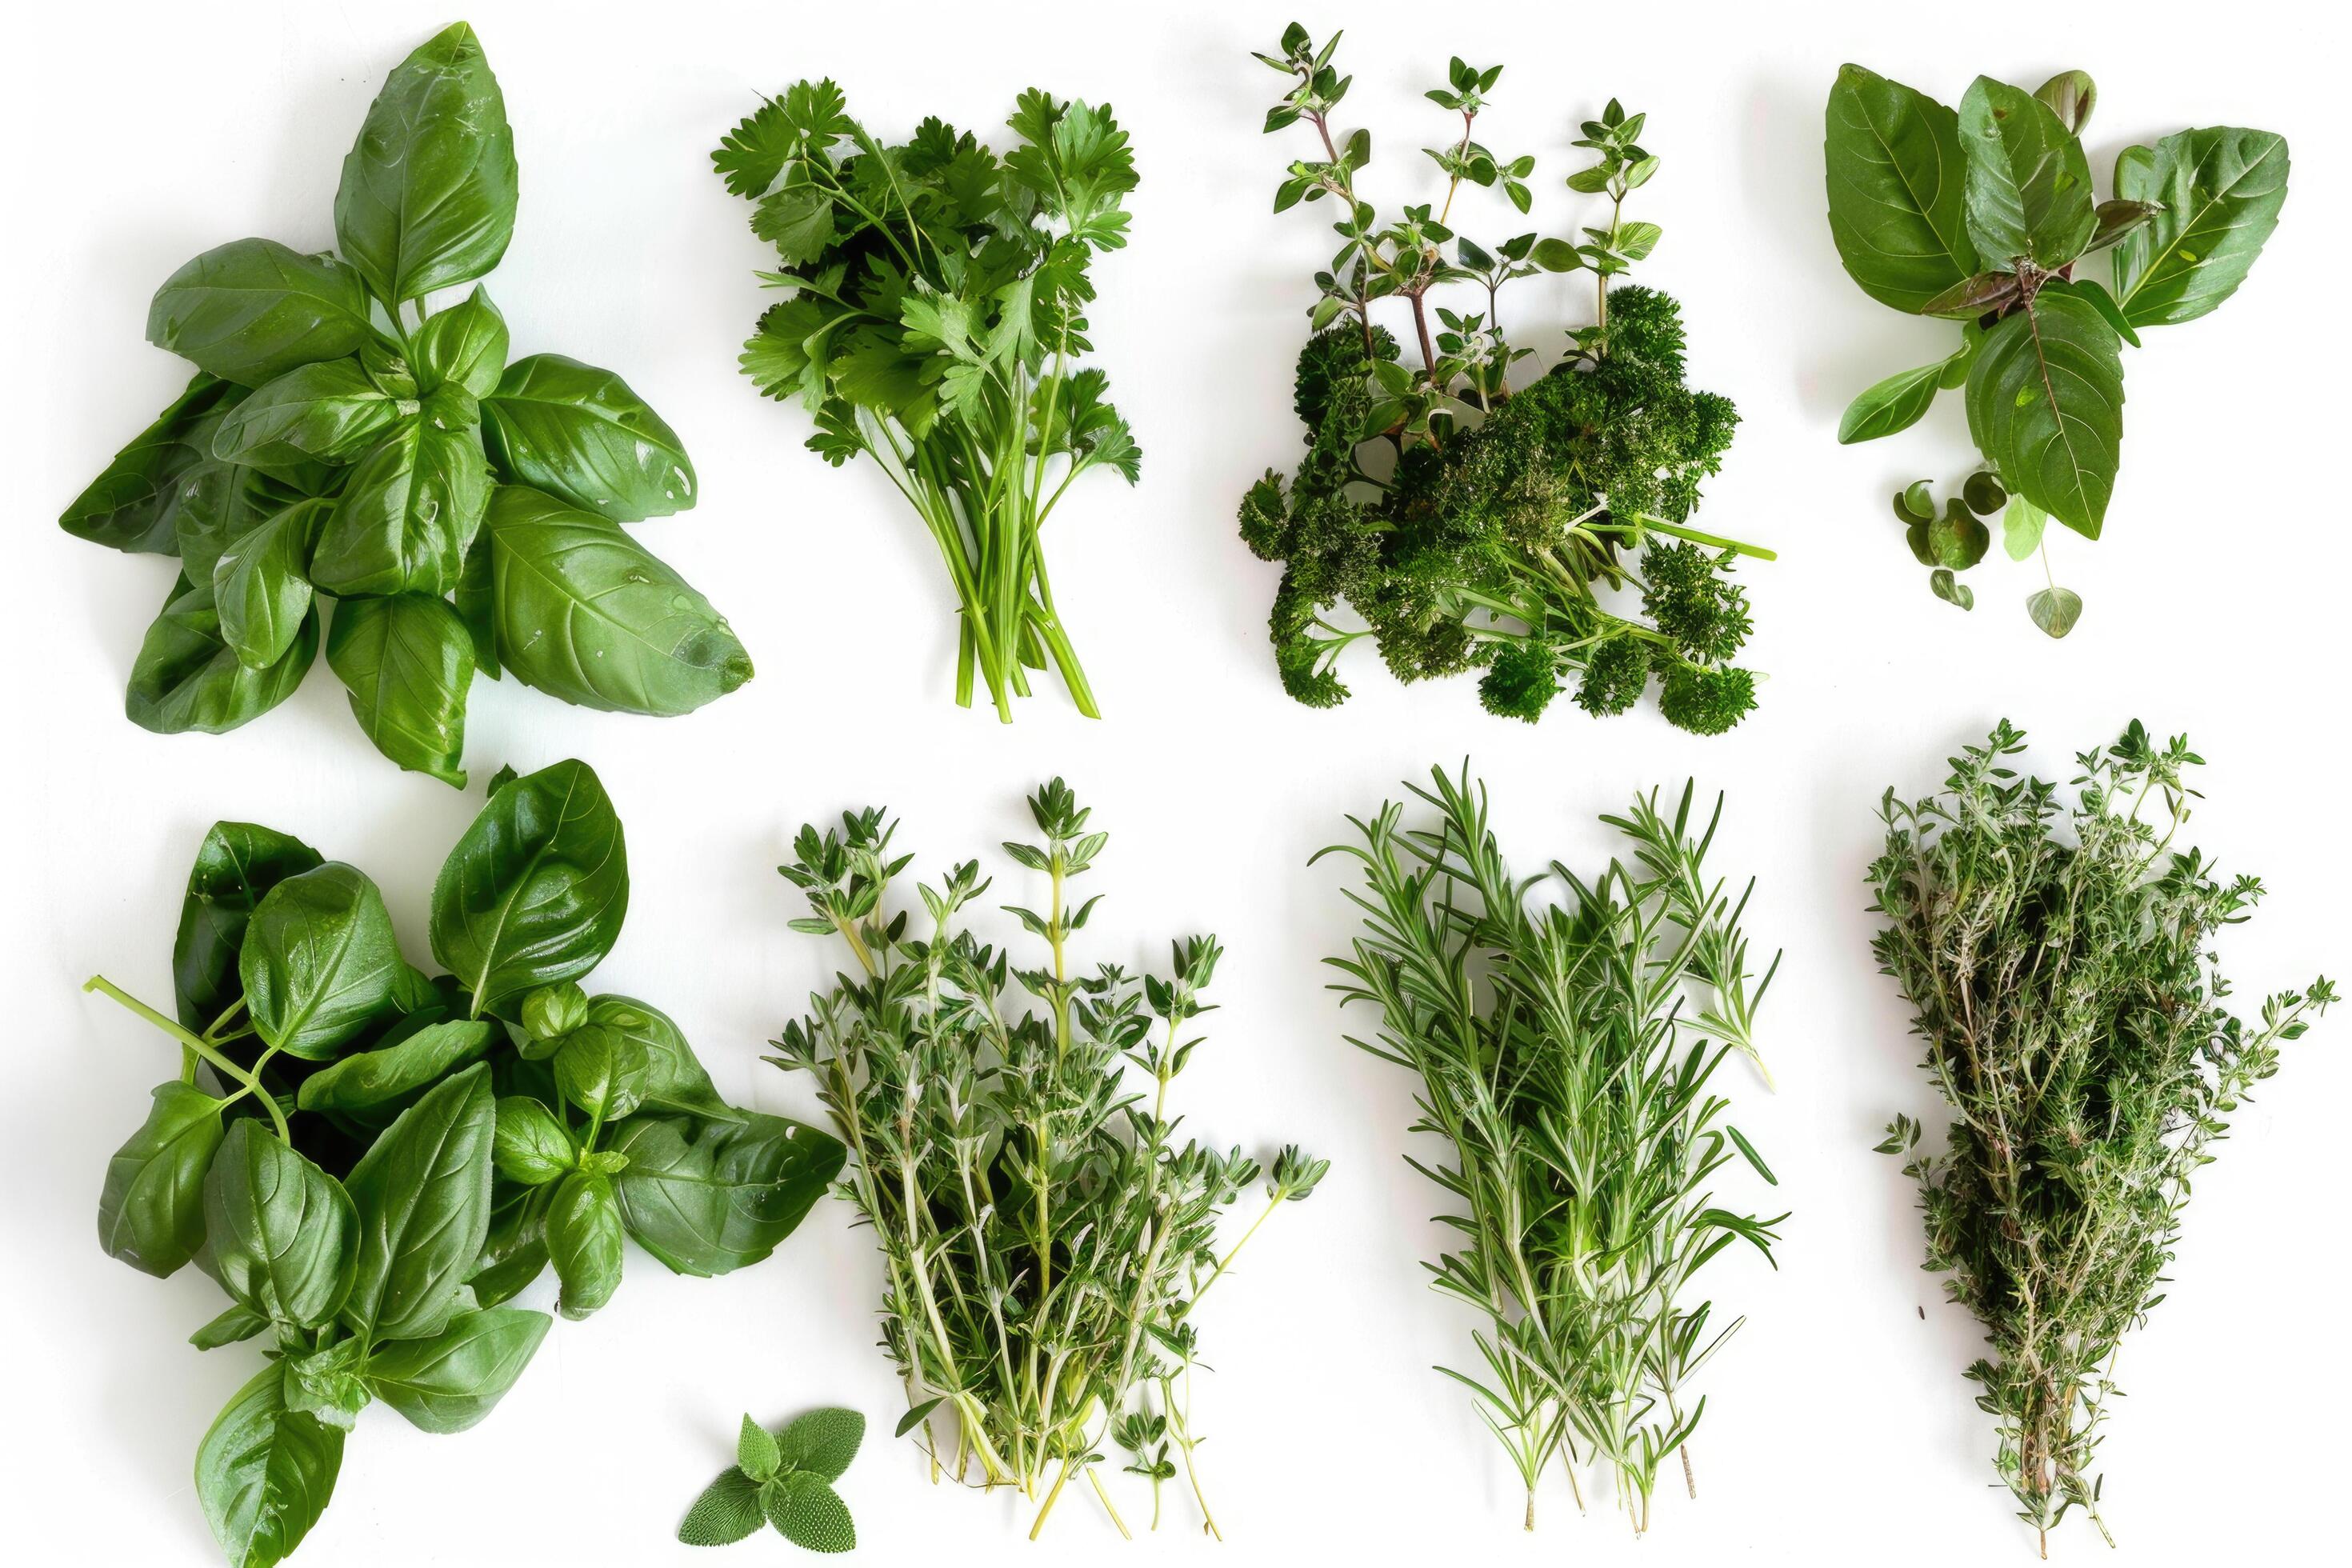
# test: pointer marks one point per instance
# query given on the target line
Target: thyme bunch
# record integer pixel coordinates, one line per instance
(1566, 1052)
(2059, 958)
(1046, 1237)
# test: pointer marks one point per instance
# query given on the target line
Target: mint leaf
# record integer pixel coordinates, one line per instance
(727, 1511)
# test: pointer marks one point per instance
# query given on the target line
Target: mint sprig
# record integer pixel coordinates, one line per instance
(786, 1478)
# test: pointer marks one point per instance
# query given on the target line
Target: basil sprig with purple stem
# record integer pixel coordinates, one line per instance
(373, 1163)
(1985, 215)
(341, 442)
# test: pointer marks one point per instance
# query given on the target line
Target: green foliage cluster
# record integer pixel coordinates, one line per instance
(1475, 525)
(2059, 957)
(1046, 1238)
(786, 1478)
(1983, 215)
(1566, 1054)
(372, 1162)
(338, 443)
(934, 318)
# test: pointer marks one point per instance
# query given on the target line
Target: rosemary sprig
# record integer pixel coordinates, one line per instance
(2058, 959)
(1046, 1238)
(1561, 1060)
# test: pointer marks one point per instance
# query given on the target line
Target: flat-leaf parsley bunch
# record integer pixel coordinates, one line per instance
(1474, 525)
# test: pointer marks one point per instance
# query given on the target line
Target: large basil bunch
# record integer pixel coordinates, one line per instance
(372, 1162)
(1985, 215)
(338, 442)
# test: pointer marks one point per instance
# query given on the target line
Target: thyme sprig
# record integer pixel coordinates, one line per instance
(2059, 958)
(1046, 1237)
(1566, 1053)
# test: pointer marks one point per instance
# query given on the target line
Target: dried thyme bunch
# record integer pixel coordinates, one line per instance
(2058, 959)
(1045, 1237)
(1565, 1053)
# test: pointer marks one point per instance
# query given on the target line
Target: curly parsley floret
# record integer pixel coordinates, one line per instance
(1521, 682)
(1689, 597)
(1615, 675)
(1707, 701)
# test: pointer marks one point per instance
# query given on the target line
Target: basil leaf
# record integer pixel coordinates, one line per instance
(476, 599)
(674, 1080)
(236, 865)
(407, 663)
(1899, 209)
(284, 1236)
(369, 1079)
(601, 1071)
(187, 677)
(234, 1326)
(331, 412)
(326, 1383)
(451, 1381)
(150, 1212)
(2029, 183)
(261, 587)
(264, 1473)
(464, 345)
(129, 507)
(252, 309)
(423, 1190)
(707, 1197)
(582, 435)
(585, 613)
(412, 507)
(428, 197)
(583, 1241)
(536, 890)
(532, 1147)
(508, 1275)
(320, 961)
(217, 504)
(2222, 190)
(2046, 401)
(1896, 403)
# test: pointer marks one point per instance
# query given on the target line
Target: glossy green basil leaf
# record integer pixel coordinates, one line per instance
(601, 1071)
(583, 1241)
(579, 434)
(2220, 190)
(428, 197)
(284, 1236)
(532, 1148)
(1896, 403)
(536, 890)
(707, 1197)
(2046, 401)
(320, 962)
(261, 584)
(326, 1383)
(186, 677)
(252, 309)
(585, 613)
(509, 1275)
(2029, 183)
(236, 865)
(674, 1080)
(553, 1011)
(218, 503)
(414, 505)
(130, 506)
(1898, 207)
(234, 1326)
(407, 664)
(451, 1381)
(477, 600)
(387, 1074)
(264, 1473)
(330, 412)
(464, 345)
(150, 1212)
(423, 1190)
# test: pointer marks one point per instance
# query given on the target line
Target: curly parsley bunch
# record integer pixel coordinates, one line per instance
(1539, 533)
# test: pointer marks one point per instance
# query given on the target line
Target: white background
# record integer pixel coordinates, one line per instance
(1838, 1426)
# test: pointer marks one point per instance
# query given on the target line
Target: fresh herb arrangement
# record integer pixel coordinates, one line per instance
(2060, 960)
(1983, 215)
(934, 319)
(338, 443)
(1046, 1238)
(1474, 525)
(786, 1478)
(1566, 1052)
(371, 1162)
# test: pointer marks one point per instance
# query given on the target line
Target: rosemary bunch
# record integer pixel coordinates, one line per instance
(1564, 1052)
(1045, 1237)
(2058, 958)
